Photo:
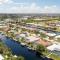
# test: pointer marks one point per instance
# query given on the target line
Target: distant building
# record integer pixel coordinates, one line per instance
(37, 18)
(58, 24)
(25, 17)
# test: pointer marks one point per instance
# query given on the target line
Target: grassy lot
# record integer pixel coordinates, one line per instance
(52, 55)
(55, 57)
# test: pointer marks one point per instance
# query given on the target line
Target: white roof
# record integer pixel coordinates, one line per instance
(57, 36)
(42, 31)
(39, 19)
(23, 44)
(22, 35)
(32, 38)
(1, 57)
(15, 55)
(54, 47)
(50, 34)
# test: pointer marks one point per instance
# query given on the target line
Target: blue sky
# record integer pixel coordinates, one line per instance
(40, 2)
(29, 6)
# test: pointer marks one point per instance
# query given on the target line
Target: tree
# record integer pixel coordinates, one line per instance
(22, 39)
(40, 49)
(20, 58)
(16, 58)
(30, 44)
(36, 32)
(43, 35)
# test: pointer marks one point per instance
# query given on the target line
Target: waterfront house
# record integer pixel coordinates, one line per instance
(20, 35)
(54, 47)
(32, 38)
(44, 42)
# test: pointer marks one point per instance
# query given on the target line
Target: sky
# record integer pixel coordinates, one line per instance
(29, 6)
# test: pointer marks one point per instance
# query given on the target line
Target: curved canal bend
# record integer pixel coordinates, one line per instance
(17, 49)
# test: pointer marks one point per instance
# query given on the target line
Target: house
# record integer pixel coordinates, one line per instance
(25, 17)
(42, 31)
(32, 38)
(52, 24)
(26, 33)
(58, 24)
(44, 42)
(58, 36)
(20, 35)
(54, 47)
(50, 34)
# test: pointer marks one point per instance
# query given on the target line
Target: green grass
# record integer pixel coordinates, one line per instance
(52, 55)
(55, 57)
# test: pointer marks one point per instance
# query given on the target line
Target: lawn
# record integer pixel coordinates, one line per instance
(52, 55)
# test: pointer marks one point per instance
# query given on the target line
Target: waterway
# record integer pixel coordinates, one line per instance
(17, 49)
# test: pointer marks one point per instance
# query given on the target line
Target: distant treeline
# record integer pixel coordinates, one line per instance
(20, 15)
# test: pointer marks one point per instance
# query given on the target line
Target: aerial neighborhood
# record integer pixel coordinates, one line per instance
(31, 31)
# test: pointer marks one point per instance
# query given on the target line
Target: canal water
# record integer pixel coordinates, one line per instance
(17, 49)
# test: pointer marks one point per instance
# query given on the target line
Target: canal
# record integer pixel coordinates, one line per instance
(17, 49)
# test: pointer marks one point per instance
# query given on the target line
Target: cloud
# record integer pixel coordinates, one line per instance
(51, 9)
(32, 8)
(5, 1)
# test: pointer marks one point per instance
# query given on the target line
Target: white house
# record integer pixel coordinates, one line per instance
(50, 34)
(53, 47)
(58, 36)
(20, 35)
(42, 31)
(32, 39)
